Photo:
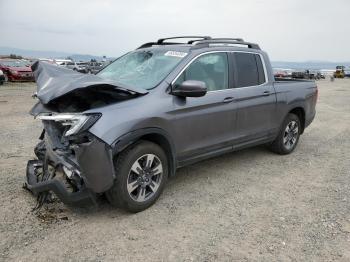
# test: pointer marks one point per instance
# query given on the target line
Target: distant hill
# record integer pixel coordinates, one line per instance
(48, 54)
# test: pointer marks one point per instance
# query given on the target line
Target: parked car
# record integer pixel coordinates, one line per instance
(94, 67)
(347, 73)
(2, 77)
(48, 60)
(298, 75)
(281, 73)
(319, 75)
(124, 131)
(312, 74)
(77, 66)
(62, 62)
(304, 74)
(16, 70)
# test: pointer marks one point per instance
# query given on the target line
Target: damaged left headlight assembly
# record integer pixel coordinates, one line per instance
(75, 123)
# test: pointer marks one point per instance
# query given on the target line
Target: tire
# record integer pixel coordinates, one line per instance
(136, 191)
(288, 136)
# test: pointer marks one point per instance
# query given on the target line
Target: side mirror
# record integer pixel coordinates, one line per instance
(190, 88)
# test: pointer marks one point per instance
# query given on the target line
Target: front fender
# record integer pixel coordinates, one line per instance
(153, 134)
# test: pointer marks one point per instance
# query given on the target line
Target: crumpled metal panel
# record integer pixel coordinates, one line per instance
(55, 81)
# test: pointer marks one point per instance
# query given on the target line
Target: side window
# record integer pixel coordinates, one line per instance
(250, 70)
(260, 69)
(210, 68)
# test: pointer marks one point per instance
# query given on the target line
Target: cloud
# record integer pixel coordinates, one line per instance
(288, 30)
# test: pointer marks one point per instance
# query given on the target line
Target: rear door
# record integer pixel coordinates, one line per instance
(255, 98)
(204, 125)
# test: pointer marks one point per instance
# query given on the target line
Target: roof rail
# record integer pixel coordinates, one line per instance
(201, 41)
(150, 44)
(223, 39)
(161, 41)
(232, 41)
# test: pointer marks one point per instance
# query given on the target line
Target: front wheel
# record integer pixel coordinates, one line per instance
(141, 174)
(288, 136)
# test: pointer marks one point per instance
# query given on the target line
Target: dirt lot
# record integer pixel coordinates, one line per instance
(250, 205)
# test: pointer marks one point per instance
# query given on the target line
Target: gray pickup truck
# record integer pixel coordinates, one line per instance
(167, 104)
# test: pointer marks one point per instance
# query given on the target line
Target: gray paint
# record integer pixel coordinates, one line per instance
(204, 124)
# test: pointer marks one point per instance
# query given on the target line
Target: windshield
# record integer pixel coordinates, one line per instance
(17, 63)
(142, 69)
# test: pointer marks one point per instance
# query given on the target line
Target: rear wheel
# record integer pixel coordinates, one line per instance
(141, 174)
(288, 136)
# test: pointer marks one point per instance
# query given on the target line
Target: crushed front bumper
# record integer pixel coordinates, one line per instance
(85, 166)
(83, 197)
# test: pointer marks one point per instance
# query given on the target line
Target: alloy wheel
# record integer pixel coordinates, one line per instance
(144, 177)
(290, 136)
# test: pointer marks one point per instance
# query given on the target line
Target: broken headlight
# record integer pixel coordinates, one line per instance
(75, 122)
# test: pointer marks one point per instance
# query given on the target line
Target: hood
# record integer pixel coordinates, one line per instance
(54, 82)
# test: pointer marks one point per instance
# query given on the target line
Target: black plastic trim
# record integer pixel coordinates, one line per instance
(81, 198)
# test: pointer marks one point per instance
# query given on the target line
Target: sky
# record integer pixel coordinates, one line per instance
(295, 30)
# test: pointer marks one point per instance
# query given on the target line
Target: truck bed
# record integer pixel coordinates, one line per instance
(281, 79)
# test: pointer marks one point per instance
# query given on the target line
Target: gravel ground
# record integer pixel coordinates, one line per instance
(250, 205)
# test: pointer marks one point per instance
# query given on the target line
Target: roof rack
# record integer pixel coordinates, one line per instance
(161, 41)
(201, 42)
(232, 41)
(223, 39)
(150, 44)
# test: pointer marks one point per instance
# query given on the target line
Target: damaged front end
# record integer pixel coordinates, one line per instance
(71, 162)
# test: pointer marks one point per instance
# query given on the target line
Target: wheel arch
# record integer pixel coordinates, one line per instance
(155, 135)
(300, 112)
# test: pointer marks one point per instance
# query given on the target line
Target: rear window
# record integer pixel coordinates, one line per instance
(250, 70)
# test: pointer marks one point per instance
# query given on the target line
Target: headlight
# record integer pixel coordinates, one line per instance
(13, 72)
(75, 122)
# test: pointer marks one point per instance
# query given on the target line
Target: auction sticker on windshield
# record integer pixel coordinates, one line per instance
(175, 53)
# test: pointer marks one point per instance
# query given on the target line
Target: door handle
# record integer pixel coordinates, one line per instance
(266, 93)
(228, 99)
